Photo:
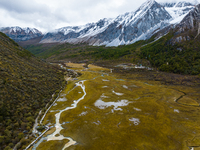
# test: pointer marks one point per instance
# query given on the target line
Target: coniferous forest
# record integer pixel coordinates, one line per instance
(26, 87)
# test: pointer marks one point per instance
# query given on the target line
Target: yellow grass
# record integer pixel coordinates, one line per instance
(163, 123)
(54, 145)
(52, 130)
(188, 101)
(97, 68)
(73, 65)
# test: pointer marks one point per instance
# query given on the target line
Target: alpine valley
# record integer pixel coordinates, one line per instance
(130, 82)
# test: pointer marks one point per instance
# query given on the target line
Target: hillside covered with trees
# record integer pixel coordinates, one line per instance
(26, 86)
(181, 58)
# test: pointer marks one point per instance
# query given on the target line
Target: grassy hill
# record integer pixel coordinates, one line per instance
(26, 86)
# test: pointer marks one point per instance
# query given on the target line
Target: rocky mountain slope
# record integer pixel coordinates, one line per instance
(148, 19)
(125, 29)
(172, 49)
(128, 28)
(21, 34)
(178, 10)
(26, 86)
(189, 27)
(178, 51)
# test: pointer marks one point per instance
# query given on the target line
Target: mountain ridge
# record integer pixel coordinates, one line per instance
(178, 50)
(21, 34)
(117, 28)
(177, 41)
(124, 29)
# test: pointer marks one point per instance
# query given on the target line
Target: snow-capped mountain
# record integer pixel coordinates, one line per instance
(125, 29)
(21, 34)
(76, 34)
(131, 27)
(148, 19)
(178, 10)
(188, 28)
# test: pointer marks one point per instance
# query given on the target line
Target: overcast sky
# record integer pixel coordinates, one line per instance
(47, 15)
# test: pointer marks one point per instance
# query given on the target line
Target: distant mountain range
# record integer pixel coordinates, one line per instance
(21, 34)
(150, 18)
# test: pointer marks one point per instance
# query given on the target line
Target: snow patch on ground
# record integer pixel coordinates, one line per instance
(103, 105)
(105, 80)
(103, 96)
(97, 123)
(136, 121)
(104, 86)
(62, 99)
(124, 86)
(176, 110)
(137, 109)
(83, 113)
(119, 94)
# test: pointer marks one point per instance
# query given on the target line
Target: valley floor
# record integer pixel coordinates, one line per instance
(110, 111)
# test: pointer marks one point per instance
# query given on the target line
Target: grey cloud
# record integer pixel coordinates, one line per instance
(50, 14)
(23, 6)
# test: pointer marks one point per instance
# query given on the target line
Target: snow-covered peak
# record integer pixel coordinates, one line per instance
(194, 2)
(148, 19)
(21, 34)
(125, 29)
(86, 30)
(179, 4)
(150, 6)
(29, 30)
(183, 4)
(143, 8)
(168, 4)
(74, 29)
(178, 10)
(16, 29)
(146, 4)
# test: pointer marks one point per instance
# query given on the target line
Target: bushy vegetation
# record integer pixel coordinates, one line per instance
(82, 52)
(182, 58)
(26, 86)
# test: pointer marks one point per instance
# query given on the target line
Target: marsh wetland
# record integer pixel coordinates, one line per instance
(108, 111)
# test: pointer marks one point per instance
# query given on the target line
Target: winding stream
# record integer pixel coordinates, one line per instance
(114, 107)
(59, 127)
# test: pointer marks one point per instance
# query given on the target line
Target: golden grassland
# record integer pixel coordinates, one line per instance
(52, 130)
(168, 115)
(54, 145)
(74, 65)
